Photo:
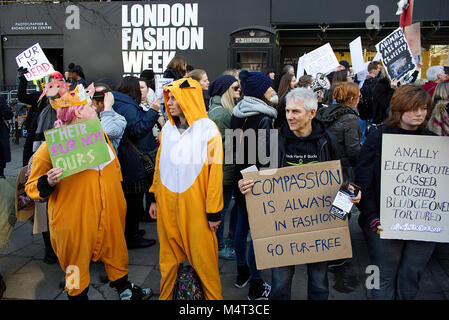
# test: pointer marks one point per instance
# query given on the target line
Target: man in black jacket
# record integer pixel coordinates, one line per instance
(31, 124)
(302, 140)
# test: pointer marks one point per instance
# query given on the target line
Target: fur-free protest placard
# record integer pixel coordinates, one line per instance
(35, 60)
(289, 217)
(414, 188)
(396, 55)
(77, 147)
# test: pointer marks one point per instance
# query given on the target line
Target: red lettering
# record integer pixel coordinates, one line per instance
(46, 66)
(39, 69)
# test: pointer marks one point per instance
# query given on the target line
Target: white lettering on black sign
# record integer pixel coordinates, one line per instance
(152, 33)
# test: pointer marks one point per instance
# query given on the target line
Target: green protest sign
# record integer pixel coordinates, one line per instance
(77, 147)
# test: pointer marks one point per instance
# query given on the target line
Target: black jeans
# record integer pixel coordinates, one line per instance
(134, 209)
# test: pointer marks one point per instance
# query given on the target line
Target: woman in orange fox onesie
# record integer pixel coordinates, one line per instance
(188, 190)
(86, 210)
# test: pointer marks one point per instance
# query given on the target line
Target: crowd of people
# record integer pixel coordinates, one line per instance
(95, 214)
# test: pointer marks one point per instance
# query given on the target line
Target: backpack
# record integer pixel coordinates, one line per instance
(187, 285)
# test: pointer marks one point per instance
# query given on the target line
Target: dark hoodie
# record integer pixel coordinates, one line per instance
(343, 122)
(172, 74)
(319, 146)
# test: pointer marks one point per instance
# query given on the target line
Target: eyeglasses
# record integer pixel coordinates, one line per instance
(236, 88)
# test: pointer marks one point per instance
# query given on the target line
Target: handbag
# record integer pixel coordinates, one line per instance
(148, 159)
(187, 284)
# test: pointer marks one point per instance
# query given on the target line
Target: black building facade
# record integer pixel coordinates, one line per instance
(110, 39)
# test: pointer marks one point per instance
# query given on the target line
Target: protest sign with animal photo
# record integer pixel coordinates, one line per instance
(396, 55)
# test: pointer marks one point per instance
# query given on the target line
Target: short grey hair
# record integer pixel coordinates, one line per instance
(303, 95)
(433, 72)
(287, 68)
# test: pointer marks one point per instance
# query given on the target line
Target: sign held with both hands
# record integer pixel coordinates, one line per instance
(288, 211)
(77, 147)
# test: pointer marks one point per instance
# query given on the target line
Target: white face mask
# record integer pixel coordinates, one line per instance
(274, 99)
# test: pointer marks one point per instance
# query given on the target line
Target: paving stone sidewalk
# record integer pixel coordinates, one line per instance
(28, 277)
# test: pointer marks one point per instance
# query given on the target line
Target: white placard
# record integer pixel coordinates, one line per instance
(321, 60)
(414, 188)
(159, 84)
(355, 48)
(377, 57)
(35, 61)
(300, 68)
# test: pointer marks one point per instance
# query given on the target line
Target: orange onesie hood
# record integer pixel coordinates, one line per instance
(189, 95)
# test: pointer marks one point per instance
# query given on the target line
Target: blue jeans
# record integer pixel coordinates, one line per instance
(401, 264)
(317, 282)
(227, 197)
(233, 219)
(362, 124)
(241, 233)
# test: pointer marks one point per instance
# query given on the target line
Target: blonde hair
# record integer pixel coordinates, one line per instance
(441, 94)
(232, 72)
(227, 99)
(196, 74)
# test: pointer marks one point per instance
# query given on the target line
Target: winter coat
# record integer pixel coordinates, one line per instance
(281, 118)
(430, 86)
(439, 120)
(45, 121)
(74, 83)
(222, 119)
(251, 114)
(32, 116)
(172, 74)
(343, 122)
(113, 125)
(368, 170)
(139, 126)
(366, 105)
(5, 114)
(382, 94)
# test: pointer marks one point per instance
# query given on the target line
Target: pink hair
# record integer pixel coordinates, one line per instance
(57, 75)
(65, 115)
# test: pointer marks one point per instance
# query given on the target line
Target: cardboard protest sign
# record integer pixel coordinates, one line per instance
(396, 55)
(414, 184)
(355, 48)
(321, 60)
(35, 61)
(289, 217)
(413, 36)
(77, 147)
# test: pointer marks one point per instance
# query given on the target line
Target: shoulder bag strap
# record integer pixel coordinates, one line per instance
(132, 145)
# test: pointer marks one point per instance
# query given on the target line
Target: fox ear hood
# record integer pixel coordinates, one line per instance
(189, 95)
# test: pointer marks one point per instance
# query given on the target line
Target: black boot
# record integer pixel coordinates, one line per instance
(81, 296)
(242, 276)
(2, 286)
